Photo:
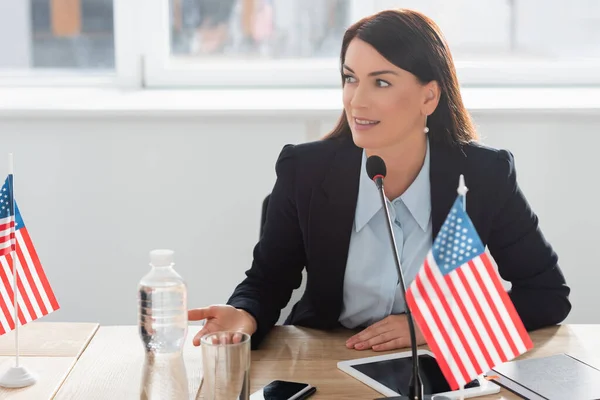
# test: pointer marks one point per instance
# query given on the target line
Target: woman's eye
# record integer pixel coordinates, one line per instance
(382, 83)
(349, 79)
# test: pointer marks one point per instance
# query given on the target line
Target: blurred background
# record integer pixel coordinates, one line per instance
(120, 112)
(79, 34)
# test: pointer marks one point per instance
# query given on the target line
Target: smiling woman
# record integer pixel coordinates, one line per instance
(399, 80)
(402, 103)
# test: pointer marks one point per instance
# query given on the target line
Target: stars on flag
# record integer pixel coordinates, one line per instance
(457, 242)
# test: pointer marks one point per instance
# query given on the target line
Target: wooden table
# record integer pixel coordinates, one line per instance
(109, 366)
(306, 355)
(47, 349)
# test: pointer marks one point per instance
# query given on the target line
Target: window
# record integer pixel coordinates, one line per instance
(252, 29)
(282, 43)
(518, 41)
(56, 38)
(245, 42)
(296, 42)
(514, 30)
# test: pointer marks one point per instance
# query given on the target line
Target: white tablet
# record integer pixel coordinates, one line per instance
(389, 374)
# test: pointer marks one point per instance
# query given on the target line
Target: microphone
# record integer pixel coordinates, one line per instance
(377, 170)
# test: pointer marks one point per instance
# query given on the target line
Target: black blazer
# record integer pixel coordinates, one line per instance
(311, 214)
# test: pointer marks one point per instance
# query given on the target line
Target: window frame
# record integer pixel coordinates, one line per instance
(51, 77)
(10, 78)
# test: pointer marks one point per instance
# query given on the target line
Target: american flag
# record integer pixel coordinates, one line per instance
(461, 307)
(7, 218)
(35, 296)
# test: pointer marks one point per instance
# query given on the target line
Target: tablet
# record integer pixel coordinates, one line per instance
(389, 375)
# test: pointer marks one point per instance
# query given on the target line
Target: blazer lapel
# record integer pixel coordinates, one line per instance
(331, 219)
(446, 165)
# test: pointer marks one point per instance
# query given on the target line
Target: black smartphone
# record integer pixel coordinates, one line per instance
(284, 390)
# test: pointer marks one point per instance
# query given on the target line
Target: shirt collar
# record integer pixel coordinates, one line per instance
(417, 198)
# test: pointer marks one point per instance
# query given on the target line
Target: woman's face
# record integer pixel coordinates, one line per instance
(385, 105)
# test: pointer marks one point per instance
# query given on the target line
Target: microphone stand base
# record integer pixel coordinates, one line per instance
(425, 397)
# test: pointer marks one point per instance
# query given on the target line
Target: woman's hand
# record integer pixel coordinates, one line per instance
(390, 333)
(222, 318)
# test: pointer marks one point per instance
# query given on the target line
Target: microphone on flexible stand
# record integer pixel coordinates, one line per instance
(376, 170)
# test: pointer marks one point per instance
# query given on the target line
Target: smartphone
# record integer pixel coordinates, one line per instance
(284, 390)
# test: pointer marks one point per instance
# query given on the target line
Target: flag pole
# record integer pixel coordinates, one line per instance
(17, 376)
(462, 191)
(13, 240)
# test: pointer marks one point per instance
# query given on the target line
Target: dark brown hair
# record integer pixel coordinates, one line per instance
(414, 43)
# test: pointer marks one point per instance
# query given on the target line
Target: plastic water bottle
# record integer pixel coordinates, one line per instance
(162, 298)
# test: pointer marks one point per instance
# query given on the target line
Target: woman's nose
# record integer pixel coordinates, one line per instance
(359, 99)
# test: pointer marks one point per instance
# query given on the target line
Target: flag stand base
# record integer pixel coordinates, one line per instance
(17, 377)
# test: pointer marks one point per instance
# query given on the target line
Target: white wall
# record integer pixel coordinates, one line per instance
(98, 193)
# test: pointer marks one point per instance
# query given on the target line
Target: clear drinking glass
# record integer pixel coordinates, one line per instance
(226, 366)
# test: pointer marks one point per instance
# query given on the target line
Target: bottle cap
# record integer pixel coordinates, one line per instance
(161, 257)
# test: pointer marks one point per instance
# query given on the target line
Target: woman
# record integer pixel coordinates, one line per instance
(401, 102)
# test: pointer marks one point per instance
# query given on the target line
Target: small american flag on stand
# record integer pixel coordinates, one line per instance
(35, 296)
(461, 307)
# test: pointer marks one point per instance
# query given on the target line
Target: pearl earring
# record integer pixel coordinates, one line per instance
(426, 130)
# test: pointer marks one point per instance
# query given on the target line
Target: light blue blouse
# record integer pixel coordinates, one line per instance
(371, 288)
